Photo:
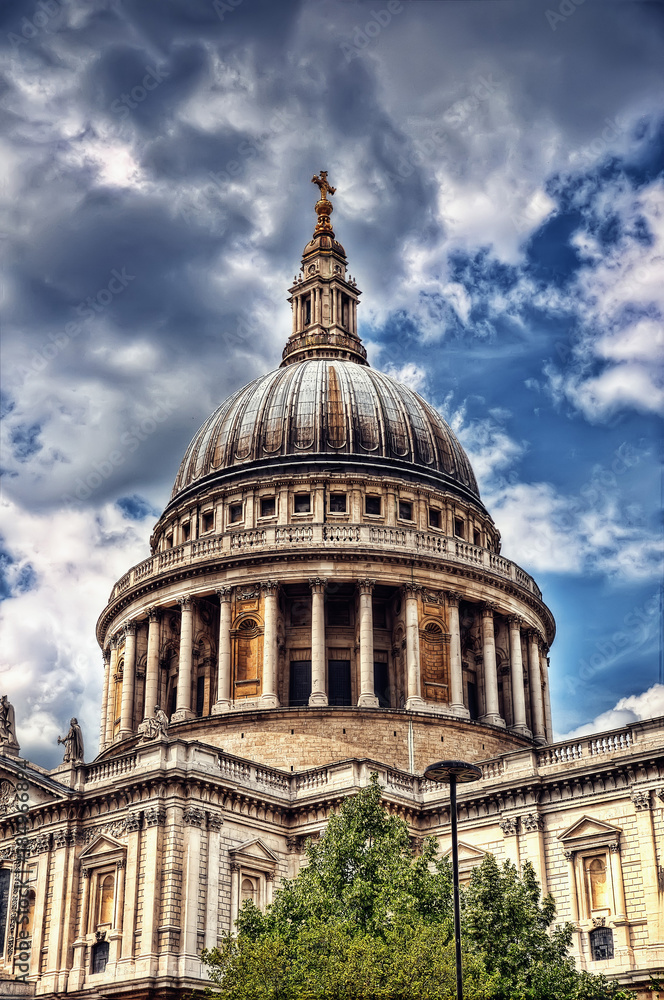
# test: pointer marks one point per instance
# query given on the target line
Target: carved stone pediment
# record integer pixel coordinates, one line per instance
(469, 856)
(588, 833)
(102, 851)
(254, 853)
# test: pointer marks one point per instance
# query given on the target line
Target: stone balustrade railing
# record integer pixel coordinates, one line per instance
(321, 537)
(593, 746)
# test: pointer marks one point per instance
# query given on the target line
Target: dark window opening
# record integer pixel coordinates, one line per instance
(100, 956)
(601, 944)
(302, 503)
(405, 510)
(338, 613)
(186, 532)
(235, 512)
(382, 684)
(458, 527)
(345, 312)
(268, 506)
(208, 521)
(477, 538)
(379, 616)
(300, 682)
(307, 310)
(473, 707)
(200, 695)
(372, 505)
(338, 677)
(337, 503)
(169, 541)
(300, 612)
(434, 518)
(174, 699)
(5, 878)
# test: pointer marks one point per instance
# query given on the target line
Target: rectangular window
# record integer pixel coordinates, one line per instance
(235, 513)
(268, 506)
(100, 956)
(473, 707)
(186, 532)
(379, 616)
(601, 944)
(302, 503)
(434, 518)
(300, 612)
(382, 684)
(200, 695)
(338, 613)
(337, 503)
(300, 682)
(169, 541)
(338, 675)
(458, 527)
(208, 521)
(5, 878)
(405, 510)
(477, 538)
(372, 504)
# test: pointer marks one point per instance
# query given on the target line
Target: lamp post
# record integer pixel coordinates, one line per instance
(451, 772)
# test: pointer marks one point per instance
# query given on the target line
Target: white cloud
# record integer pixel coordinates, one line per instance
(647, 705)
(50, 663)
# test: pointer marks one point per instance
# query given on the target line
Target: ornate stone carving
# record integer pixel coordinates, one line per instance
(73, 743)
(509, 826)
(7, 796)
(532, 822)
(224, 593)
(186, 602)
(42, 844)
(133, 822)
(155, 817)
(193, 816)
(62, 838)
(599, 921)
(234, 866)
(8, 740)
(453, 597)
(366, 586)
(154, 614)
(270, 586)
(640, 799)
(214, 821)
(569, 855)
(121, 864)
(317, 585)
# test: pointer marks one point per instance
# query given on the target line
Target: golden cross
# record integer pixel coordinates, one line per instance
(323, 185)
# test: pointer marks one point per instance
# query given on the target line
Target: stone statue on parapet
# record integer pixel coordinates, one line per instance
(8, 741)
(156, 727)
(73, 743)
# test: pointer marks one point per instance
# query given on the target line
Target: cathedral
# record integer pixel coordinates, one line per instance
(325, 597)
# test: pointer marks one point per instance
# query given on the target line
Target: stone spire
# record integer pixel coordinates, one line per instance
(324, 297)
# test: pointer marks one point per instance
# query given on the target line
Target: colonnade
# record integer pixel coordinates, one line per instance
(335, 309)
(536, 662)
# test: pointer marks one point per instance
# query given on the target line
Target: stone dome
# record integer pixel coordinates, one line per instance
(323, 410)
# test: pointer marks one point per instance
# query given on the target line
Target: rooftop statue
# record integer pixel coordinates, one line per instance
(8, 741)
(73, 743)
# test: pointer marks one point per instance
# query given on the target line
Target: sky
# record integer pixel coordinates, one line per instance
(500, 195)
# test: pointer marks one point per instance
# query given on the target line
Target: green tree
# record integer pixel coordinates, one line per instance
(366, 920)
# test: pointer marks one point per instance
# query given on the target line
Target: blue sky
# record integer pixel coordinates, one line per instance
(500, 196)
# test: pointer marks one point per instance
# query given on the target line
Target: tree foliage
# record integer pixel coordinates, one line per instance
(365, 919)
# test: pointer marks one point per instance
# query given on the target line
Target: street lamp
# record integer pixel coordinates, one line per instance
(451, 772)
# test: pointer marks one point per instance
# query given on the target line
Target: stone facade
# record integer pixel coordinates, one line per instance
(325, 597)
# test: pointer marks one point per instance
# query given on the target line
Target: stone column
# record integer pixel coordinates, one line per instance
(647, 848)
(112, 681)
(78, 972)
(516, 664)
(318, 695)
(212, 898)
(235, 894)
(224, 701)
(153, 837)
(183, 705)
(624, 951)
(536, 702)
(492, 713)
(104, 698)
(457, 704)
(414, 700)
(269, 693)
(152, 665)
(128, 677)
(193, 818)
(367, 697)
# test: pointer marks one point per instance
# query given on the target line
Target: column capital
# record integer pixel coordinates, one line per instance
(224, 594)
(185, 601)
(515, 621)
(106, 653)
(534, 636)
(366, 586)
(270, 586)
(115, 640)
(453, 598)
(488, 610)
(130, 628)
(411, 589)
(154, 614)
(317, 585)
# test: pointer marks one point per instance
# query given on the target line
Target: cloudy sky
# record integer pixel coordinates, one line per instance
(500, 196)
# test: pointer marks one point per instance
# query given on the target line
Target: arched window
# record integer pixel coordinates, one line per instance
(598, 895)
(106, 899)
(434, 657)
(249, 890)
